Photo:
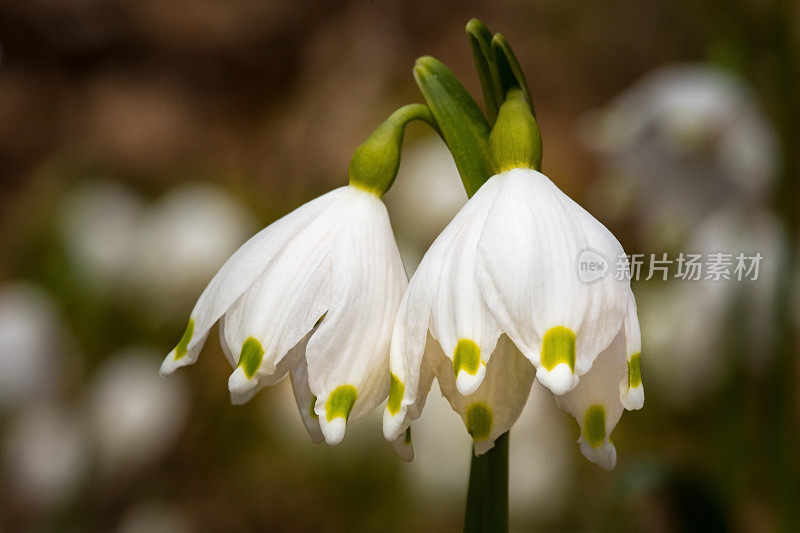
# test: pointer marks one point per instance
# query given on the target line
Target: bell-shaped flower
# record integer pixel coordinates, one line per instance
(331, 266)
(315, 295)
(508, 264)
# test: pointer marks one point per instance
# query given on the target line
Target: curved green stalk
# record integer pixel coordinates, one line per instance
(375, 163)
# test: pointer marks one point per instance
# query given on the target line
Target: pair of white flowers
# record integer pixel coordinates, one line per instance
(322, 294)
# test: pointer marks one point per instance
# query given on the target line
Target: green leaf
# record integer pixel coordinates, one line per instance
(509, 69)
(480, 40)
(461, 123)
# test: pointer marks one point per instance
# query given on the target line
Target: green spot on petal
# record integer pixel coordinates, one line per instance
(407, 438)
(634, 371)
(479, 421)
(250, 357)
(340, 402)
(594, 425)
(558, 346)
(395, 395)
(311, 411)
(467, 357)
(183, 344)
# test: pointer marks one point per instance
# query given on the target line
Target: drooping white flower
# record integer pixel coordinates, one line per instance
(314, 294)
(498, 299)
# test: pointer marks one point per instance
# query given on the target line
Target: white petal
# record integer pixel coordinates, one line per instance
(494, 407)
(410, 337)
(460, 321)
(285, 302)
(412, 347)
(403, 405)
(528, 262)
(243, 394)
(303, 396)
(348, 355)
(404, 446)
(595, 403)
(237, 275)
(631, 389)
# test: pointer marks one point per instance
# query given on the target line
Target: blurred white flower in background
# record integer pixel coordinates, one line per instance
(682, 141)
(30, 344)
(418, 217)
(46, 454)
(99, 223)
(184, 238)
(135, 415)
(164, 252)
(686, 345)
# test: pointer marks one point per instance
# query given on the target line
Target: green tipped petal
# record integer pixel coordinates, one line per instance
(183, 344)
(558, 346)
(395, 395)
(634, 371)
(467, 357)
(479, 421)
(594, 426)
(340, 402)
(251, 356)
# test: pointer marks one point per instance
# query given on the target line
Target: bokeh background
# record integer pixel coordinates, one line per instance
(141, 142)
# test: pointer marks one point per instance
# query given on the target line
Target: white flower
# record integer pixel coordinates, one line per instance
(497, 300)
(314, 294)
(46, 454)
(683, 141)
(127, 416)
(198, 227)
(99, 223)
(31, 344)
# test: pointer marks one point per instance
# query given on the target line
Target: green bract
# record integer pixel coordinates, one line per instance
(461, 122)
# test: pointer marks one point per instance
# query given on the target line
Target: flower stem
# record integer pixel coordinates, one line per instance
(487, 495)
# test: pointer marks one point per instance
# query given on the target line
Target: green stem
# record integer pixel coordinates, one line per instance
(487, 495)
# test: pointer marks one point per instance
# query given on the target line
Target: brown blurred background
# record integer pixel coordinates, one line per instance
(142, 142)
